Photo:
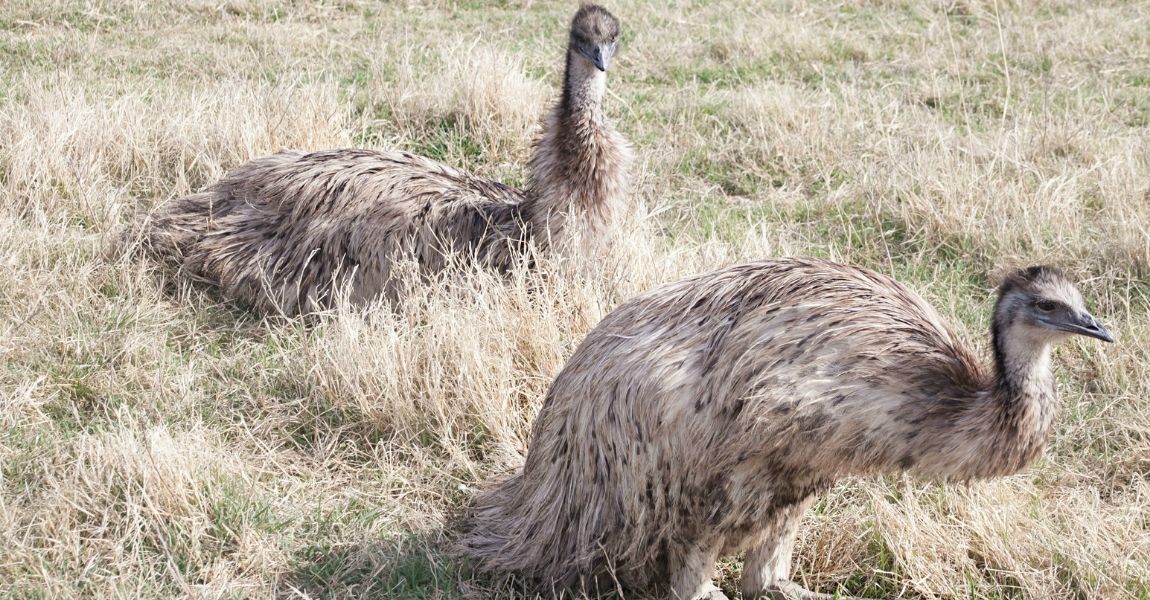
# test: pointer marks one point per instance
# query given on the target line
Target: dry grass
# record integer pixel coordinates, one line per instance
(157, 442)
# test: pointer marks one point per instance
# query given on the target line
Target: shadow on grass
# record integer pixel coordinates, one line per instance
(410, 568)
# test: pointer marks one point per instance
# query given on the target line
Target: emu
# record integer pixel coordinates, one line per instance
(291, 232)
(702, 418)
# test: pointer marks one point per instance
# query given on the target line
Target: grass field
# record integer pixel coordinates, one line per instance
(157, 441)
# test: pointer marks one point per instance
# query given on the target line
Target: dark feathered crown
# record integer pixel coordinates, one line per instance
(595, 24)
(1026, 279)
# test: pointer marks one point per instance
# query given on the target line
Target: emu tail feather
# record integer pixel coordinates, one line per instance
(556, 536)
(175, 228)
(492, 530)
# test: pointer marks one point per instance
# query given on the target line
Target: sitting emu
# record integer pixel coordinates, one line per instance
(289, 233)
(702, 418)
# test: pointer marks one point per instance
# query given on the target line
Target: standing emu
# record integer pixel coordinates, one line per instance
(701, 419)
(291, 232)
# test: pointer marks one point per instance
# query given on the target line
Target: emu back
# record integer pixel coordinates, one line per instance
(292, 232)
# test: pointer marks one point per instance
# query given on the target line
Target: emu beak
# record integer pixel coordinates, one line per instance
(1087, 325)
(600, 56)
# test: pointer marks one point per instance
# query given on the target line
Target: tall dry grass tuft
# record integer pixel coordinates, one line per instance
(141, 500)
(81, 151)
(462, 364)
(472, 94)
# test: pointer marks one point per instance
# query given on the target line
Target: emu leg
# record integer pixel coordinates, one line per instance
(767, 569)
(769, 562)
(691, 575)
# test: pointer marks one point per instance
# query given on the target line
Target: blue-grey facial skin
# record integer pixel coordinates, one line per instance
(600, 54)
(1081, 324)
(1060, 317)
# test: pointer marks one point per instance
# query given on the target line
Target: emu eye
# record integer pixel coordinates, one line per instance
(1046, 305)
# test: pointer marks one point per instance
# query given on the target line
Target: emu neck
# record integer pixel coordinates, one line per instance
(584, 87)
(579, 167)
(989, 427)
(1021, 364)
(1021, 404)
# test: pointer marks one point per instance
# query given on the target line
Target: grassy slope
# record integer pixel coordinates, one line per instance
(155, 441)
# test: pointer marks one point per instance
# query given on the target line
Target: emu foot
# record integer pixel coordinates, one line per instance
(703, 592)
(789, 590)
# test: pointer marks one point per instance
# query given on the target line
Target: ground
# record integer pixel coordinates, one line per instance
(159, 441)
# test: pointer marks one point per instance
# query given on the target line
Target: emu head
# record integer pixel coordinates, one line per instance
(1041, 306)
(594, 35)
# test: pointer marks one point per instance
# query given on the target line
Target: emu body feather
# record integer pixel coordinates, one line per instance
(701, 419)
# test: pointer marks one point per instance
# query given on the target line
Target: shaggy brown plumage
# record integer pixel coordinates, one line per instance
(291, 232)
(701, 418)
